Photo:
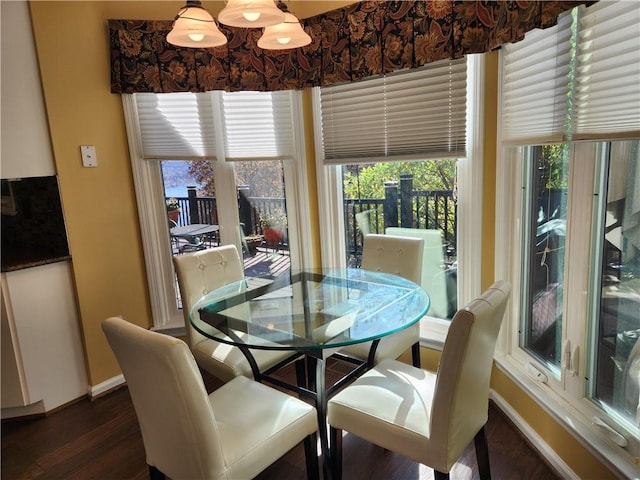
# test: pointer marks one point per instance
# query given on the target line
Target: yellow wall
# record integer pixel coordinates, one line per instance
(312, 178)
(99, 203)
(307, 8)
(489, 129)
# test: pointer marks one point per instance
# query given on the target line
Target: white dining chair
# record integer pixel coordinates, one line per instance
(198, 274)
(233, 433)
(400, 256)
(428, 417)
(434, 276)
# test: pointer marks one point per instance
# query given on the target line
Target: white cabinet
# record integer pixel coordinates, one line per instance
(42, 358)
(43, 364)
(14, 387)
(26, 147)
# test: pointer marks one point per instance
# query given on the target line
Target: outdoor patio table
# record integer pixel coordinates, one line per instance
(193, 232)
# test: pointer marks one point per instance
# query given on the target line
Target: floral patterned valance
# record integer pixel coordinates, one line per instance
(361, 40)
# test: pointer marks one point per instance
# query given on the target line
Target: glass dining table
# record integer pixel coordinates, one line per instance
(313, 314)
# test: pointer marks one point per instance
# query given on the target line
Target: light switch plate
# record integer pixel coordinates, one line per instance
(89, 158)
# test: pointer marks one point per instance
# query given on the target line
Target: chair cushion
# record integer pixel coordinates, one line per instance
(391, 346)
(241, 407)
(227, 362)
(389, 406)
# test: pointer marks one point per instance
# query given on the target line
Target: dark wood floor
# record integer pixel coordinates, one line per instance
(101, 439)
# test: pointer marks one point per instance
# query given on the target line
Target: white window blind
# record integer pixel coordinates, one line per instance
(577, 80)
(185, 126)
(176, 126)
(408, 115)
(258, 125)
(534, 97)
(608, 71)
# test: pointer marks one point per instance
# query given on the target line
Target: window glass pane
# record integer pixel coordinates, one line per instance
(417, 196)
(191, 211)
(617, 347)
(189, 186)
(263, 217)
(546, 206)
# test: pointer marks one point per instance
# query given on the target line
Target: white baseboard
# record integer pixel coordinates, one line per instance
(532, 436)
(36, 408)
(106, 386)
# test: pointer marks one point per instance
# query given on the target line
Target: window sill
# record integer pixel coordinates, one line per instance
(172, 329)
(619, 461)
(433, 332)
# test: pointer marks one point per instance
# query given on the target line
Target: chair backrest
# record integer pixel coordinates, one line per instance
(393, 254)
(363, 221)
(434, 279)
(201, 272)
(461, 400)
(176, 420)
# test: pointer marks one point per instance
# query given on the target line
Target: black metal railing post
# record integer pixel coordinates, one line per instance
(406, 200)
(390, 208)
(244, 208)
(194, 217)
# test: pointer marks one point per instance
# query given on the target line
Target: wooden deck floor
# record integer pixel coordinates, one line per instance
(266, 263)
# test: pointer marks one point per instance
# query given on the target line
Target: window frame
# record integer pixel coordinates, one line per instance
(152, 215)
(564, 399)
(433, 331)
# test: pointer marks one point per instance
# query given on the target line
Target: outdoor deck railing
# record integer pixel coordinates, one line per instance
(402, 206)
(430, 209)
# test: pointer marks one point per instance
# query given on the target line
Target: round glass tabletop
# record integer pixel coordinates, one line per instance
(310, 309)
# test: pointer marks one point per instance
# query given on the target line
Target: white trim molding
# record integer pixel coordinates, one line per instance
(470, 179)
(567, 415)
(147, 178)
(533, 438)
(100, 389)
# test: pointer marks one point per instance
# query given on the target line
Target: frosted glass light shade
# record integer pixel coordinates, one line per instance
(194, 27)
(285, 35)
(250, 13)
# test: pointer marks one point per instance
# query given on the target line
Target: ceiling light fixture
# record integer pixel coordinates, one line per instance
(285, 35)
(251, 13)
(195, 27)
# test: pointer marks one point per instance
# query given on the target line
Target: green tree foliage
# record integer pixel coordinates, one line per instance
(367, 181)
(555, 163)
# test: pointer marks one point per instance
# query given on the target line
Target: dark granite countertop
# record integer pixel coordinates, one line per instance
(12, 261)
